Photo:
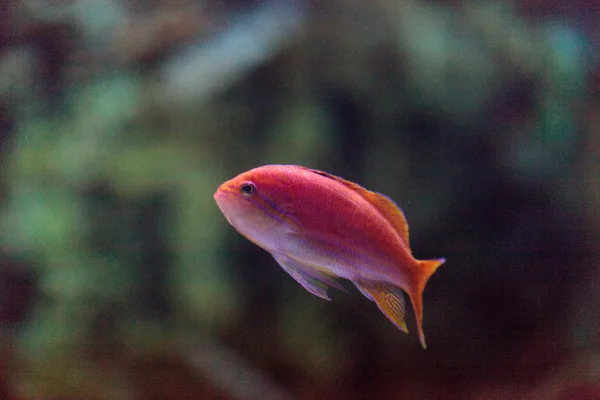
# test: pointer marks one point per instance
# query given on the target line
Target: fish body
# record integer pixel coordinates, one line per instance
(320, 227)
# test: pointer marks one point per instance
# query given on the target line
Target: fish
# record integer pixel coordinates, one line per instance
(321, 228)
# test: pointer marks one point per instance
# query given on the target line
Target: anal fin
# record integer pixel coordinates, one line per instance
(364, 291)
(312, 280)
(389, 299)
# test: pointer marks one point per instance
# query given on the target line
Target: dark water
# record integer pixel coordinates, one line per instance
(120, 279)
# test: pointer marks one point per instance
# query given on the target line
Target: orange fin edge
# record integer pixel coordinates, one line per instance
(426, 268)
(386, 206)
(389, 299)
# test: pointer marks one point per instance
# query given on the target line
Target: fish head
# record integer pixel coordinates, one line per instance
(257, 204)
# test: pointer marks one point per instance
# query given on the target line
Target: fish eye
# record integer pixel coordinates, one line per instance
(248, 188)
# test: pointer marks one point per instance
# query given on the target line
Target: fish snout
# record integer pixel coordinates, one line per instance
(222, 190)
(223, 193)
(218, 194)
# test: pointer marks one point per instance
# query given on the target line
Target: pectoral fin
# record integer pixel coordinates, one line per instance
(389, 299)
(312, 280)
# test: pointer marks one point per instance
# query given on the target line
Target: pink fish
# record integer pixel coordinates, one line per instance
(320, 227)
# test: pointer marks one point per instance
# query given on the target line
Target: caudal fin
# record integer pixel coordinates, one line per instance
(423, 272)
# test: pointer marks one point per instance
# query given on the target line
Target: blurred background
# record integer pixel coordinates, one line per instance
(120, 279)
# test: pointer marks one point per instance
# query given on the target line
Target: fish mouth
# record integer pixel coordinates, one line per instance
(222, 192)
(218, 194)
(226, 195)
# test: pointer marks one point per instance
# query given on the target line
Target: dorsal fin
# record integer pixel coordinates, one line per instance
(386, 206)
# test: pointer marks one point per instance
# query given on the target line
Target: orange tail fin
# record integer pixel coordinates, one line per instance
(424, 271)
